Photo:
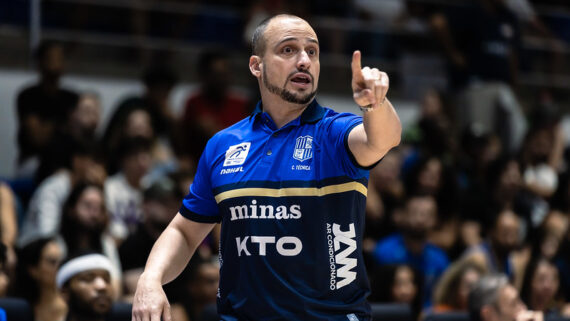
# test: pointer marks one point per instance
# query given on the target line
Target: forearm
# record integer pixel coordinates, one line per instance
(8, 217)
(174, 248)
(382, 127)
(380, 132)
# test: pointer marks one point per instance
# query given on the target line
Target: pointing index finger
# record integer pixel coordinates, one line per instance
(356, 66)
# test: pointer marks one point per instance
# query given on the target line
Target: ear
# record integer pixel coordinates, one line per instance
(255, 66)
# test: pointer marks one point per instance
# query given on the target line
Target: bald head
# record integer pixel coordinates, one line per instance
(259, 41)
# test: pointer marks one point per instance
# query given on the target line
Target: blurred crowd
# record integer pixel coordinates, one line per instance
(479, 184)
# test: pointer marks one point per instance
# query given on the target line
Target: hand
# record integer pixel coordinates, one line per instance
(369, 86)
(150, 302)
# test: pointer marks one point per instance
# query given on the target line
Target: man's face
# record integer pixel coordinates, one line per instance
(90, 293)
(506, 233)
(290, 66)
(420, 217)
(508, 305)
(52, 64)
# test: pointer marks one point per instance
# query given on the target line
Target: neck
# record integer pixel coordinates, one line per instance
(133, 180)
(281, 112)
(415, 245)
(49, 84)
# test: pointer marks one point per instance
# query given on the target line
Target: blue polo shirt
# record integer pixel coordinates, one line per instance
(291, 202)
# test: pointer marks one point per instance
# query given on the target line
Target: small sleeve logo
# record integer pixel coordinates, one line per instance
(236, 154)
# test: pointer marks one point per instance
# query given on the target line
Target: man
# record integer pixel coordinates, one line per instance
(214, 106)
(411, 245)
(496, 253)
(289, 185)
(493, 298)
(85, 283)
(43, 107)
(160, 202)
(124, 190)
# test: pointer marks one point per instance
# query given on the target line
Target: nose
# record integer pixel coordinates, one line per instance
(304, 61)
(100, 283)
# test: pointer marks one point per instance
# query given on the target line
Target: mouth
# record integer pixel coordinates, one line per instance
(301, 79)
(102, 301)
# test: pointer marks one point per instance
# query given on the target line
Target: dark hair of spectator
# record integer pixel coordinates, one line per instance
(207, 58)
(560, 199)
(29, 256)
(496, 170)
(159, 75)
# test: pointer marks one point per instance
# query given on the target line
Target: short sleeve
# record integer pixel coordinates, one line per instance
(338, 130)
(199, 205)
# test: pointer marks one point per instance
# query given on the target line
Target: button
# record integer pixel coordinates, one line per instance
(269, 152)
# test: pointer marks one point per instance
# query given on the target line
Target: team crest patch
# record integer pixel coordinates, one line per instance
(303, 148)
(236, 154)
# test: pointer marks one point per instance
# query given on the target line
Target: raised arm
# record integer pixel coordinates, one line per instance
(169, 255)
(381, 128)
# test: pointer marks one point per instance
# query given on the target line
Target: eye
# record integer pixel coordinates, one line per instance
(312, 52)
(287, 50)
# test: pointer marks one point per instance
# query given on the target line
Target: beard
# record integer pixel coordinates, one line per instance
(286, 94)
(87, 310)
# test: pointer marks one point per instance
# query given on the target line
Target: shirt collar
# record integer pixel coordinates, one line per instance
(312, 114)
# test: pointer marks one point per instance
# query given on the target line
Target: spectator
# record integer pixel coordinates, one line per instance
(496, 253)
(160, 205)
(385, 195)
(398, 283)
(452, 290)
(550, 236)
(84, 120)
(43, 217)
(494, 299)
(482, 44)
(8, 225)
(85, 283)
(541, 286)
(123, 191)
(214, 106)
(84, 225)
(202, 286)
(541, 157)
(159, 81)
(411, 246)
(134, 123)
(4, 278)
(37, 266)
(43, 107)
(429, 175)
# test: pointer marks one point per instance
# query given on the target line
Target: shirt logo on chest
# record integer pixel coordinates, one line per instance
(236, 154)
(303, 148)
